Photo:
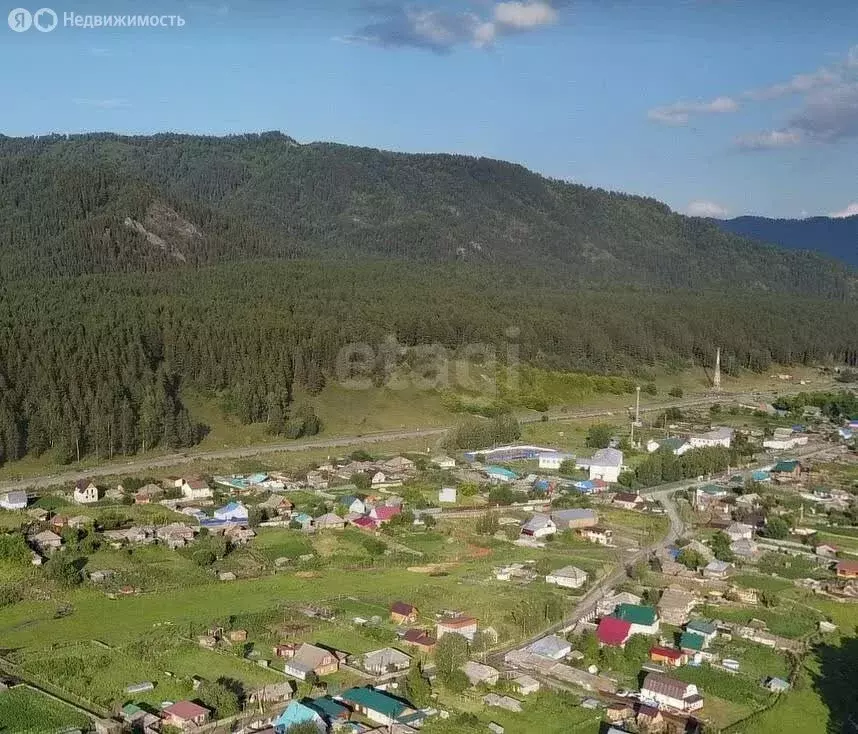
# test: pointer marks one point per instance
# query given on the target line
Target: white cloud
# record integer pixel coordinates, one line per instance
(103, 104)
(681, 113)
(849, 211)
(524, 15)
(703, 208)
(769, 140)
(799, 84)
(402, 25)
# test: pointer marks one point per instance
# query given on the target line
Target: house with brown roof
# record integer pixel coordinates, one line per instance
(666, 692)
(311, 659)
(196, 488)
(185, 715)
(459, 625)
(628, 500)
(46, 542)
(403, 613)
(847, 570)
(421, 639)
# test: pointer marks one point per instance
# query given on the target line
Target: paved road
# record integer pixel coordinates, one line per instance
(136, 466)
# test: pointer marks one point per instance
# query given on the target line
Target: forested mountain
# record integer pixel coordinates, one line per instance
(132, 269)
(831, 236)
(203, 200)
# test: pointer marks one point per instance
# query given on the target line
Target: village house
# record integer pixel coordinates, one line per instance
(13, 500)
(605, 464)
(458, 624)
(329, 521)
(185, 715)
(402, 613)
(739, 531)
(499, 474)
(85, 492)
(195, 488)
(786, 471)
(745, 549)
(718, 436)
(276, 505)
(478, 673)
(668, 656)
(316, 480)
(670, 693)
(421, 639)
(826, 550)
(607, 604)
(649, 719)
(146, 494)
(539, 526)
(443, 462)
(676, 446)
(569, 577)
(299, 714)
(239, 534)
(613, 632)
(525, 684)
(675, 605)
(705, 628)
(398, 465)
(643, 619)
(380, 707)
(846, 570)
(311, 659)
(233, 512)
(716, 569)
(271, 693)
(628, 500)
(175, 535)
(598, 535)
(46, 542)
(552, 460)
(575, 518)
(708, 495)
(351, 503)
(784, 439)
(551, 647)
(382, 514)
(386, 660)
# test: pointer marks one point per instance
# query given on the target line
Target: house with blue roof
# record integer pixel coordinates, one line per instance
(303, 519)
(380, 707)
(257, 478)
(299, 713)
(233, 512)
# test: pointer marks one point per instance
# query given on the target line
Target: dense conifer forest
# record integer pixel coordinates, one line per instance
(132, 269)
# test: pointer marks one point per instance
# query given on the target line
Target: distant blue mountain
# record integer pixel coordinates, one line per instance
(836, 238)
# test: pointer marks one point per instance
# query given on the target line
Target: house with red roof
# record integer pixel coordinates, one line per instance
(185, 715)
(847, 570)
(365, 523)
(613, 631)
(384, 513)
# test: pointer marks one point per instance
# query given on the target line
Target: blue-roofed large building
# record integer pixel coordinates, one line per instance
(299, 713)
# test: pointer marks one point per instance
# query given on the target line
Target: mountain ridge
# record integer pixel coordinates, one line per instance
(835, 237)
(266, 195)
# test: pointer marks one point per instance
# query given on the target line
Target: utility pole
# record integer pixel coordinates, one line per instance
(716, 378)
(638, 405)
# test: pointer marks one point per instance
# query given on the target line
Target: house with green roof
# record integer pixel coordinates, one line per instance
(378, 706)
(691, 643)
(642, 618)
(786, 470)
(705, 628)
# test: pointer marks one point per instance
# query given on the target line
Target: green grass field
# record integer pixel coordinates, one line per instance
(24, 710)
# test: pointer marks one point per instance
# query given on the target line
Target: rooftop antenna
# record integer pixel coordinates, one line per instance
(716, 378)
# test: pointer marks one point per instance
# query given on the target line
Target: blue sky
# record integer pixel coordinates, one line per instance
(720, 107)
